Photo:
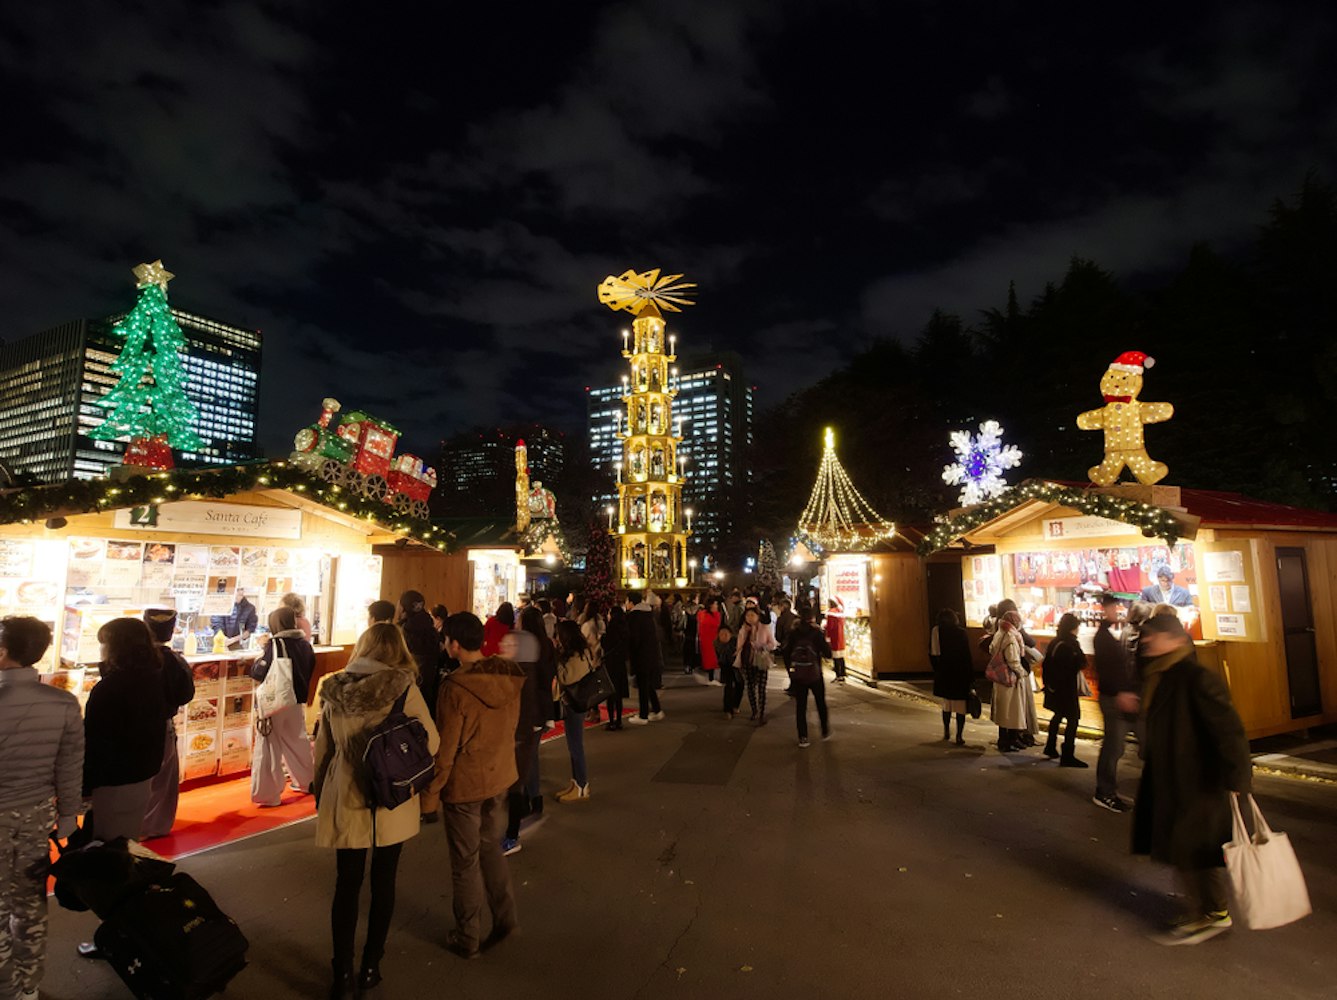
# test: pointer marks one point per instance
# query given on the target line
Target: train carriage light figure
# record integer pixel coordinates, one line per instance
(358, 454)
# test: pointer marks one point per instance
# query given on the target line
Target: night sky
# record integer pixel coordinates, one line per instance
(416, 202)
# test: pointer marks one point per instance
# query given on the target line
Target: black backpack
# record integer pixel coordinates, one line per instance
(804, 662)
(398, 758)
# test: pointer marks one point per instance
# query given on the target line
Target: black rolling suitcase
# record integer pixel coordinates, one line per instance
(170, 941)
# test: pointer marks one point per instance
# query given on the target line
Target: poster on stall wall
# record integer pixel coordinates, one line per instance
(121, 568)
(359, 583)
(159, 567)
(304, 565)
(199, 738)
(192, 558)
(16, 557)
(208, 678)
(849, 583)
(86, 557)
(225, 559)
(237, 729)
(219, 595)
(188, 587)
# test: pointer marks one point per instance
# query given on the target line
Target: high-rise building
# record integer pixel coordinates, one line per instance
(50, 381)
(476, 470)
(715, 405)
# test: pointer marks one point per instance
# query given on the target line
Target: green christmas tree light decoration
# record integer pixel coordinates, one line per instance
(599, 586)
(768, 567)
(149, 404)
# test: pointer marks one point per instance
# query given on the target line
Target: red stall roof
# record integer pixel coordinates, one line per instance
(1215, 507)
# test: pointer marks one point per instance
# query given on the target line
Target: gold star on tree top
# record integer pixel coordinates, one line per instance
(152, 274)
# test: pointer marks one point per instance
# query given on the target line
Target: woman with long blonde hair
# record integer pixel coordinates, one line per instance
(381, 677)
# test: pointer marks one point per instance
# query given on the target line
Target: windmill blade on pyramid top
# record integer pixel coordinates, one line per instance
(632, 291)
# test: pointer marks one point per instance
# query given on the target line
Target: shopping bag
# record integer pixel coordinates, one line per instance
(998, 671)
(275, 692)
(1265, 876)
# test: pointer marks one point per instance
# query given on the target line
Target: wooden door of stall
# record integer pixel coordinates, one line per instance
(1297, 626)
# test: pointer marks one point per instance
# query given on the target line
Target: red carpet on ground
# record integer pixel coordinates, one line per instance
(223, 813)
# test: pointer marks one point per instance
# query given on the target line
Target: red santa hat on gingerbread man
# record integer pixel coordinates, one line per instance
(1132, 361)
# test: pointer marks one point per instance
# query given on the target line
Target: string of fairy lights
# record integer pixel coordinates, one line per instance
(837, 517)
(1152, 521)
(36, 503)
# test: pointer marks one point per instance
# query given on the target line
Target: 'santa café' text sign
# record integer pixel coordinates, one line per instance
(199, 518)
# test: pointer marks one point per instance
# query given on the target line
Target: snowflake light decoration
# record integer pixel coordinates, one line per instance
(980, 463)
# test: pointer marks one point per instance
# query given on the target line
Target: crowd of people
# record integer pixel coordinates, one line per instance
(1148, 683)
(482, 694)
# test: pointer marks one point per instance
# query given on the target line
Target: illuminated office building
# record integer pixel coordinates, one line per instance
(476, 469)
(50, 381)
(715, 403)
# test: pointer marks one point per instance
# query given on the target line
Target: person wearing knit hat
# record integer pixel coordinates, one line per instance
(1122, 418)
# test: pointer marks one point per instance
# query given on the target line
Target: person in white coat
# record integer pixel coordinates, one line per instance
(1007, 709)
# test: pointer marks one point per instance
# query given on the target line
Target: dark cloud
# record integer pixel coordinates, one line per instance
(418, 218)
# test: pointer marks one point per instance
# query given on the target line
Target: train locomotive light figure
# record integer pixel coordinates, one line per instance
(358, 454)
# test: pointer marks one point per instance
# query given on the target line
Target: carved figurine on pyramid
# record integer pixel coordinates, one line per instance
(1122, 419)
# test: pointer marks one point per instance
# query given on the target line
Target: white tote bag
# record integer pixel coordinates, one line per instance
(275, 692)
(1265, 876)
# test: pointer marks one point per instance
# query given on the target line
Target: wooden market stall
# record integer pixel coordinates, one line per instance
(1253, 582)
(78, 554)
(871, 568)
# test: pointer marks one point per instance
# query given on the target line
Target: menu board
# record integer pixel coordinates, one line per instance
(359, 585)
(32, 576)
(194, 579)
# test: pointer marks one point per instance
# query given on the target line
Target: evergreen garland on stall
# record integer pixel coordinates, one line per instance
(89, 496)
(1152, 521)
(599, 586)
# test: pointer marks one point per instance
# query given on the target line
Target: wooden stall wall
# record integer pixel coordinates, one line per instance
(900, 620)
(441, 578)
(1257, 672)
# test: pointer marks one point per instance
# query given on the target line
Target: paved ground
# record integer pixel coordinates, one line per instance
(718, 860)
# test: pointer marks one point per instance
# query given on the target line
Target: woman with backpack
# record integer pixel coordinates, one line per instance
(280, 739)
(574, 661)
(381, 677)
(1064, 661)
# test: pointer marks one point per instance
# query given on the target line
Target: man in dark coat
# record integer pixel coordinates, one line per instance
(1195, 754)
(646, 657)
(1116, 680)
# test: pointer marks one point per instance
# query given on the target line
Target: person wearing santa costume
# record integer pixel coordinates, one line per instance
(1122, 419)
(834, 627)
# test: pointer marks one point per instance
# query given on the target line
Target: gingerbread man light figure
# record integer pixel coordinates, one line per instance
(1122, 419)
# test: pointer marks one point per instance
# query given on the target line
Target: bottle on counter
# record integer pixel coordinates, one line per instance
(220, 642)
(191, 645)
